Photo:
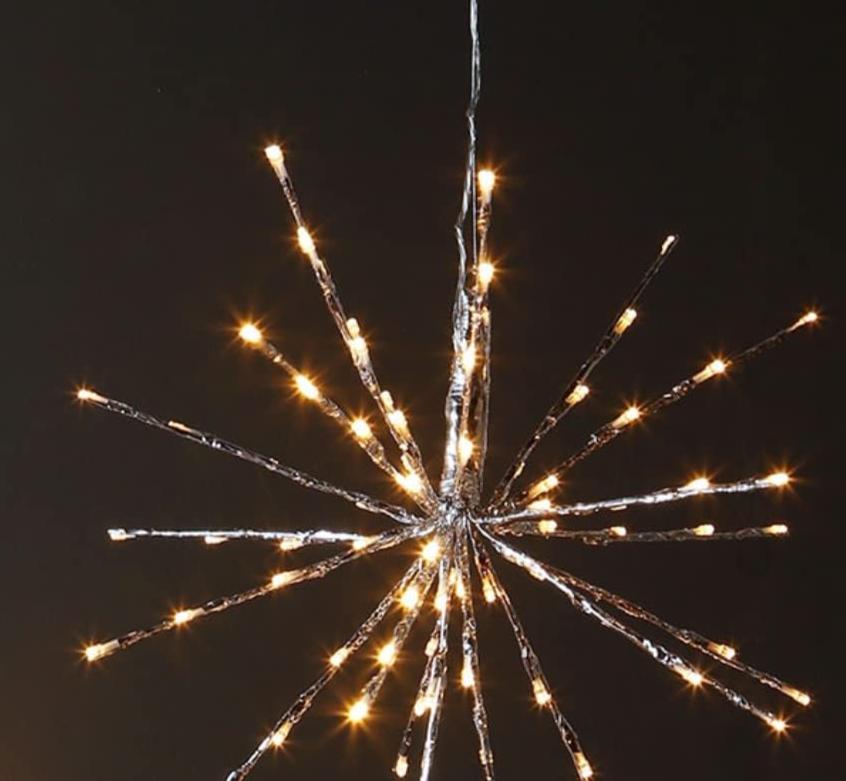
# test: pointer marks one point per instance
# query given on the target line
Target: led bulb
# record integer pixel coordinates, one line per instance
(619, 531)
(726, 651)
(486, 274)
(542, 695)
(776, 529)
(704, 530)
(410, 597)
(339, 657)
(281, 579)
(799, 696)
(698, 484)
(184, 616)
(250, 334)
(431, 551)
(99, 650)
(213, 539)
(401, 768)
(278, 738)
(358, 711)
(488, 591)
(668, 242)
(467, 675)
(274, 154)
(629, 415)
(465, 449)
(806, 319)
(83, 394)
(549, 483)
(626, 319)
(540, 505)
(306, 387)
(717, 366)
(441, 601)
(361, 429)
(778, 479)
(547, 526)
(398, 421)
(779, 725)
(583, 766)
(119, 535)
(387, 654)
(487, 180)
(410, 482)
(577, 394)
(693, 677)
(305, 241)
(468, 358)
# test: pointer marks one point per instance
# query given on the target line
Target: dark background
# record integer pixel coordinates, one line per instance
(140, 221)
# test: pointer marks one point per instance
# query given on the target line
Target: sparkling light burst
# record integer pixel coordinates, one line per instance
(451, 524)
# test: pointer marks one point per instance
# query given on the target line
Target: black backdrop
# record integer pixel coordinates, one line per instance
(140, 221)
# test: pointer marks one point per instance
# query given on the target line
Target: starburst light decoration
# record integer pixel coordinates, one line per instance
(454, 528)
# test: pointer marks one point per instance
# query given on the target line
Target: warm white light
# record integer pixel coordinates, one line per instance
(704, 530)
(118, 535)
(668, 242)
(542, 695)
(387, 654)
(398, 420)
(467, 675)
(578, 394)
(339, 657)
(547, 526)
(806, 319)
(693, 677)
(583, 766)
(410, 482)
(305, 241)
(465, 449)
(213, 539)
(290, 543)
(488, 591)
(401, 768)
(619, 531)
(99, 650)
(468, 358)
(358, 711)
(278, 738)
(549, 483)
(626, 319)
(422, 705)
(431, 551)
(779, 725)
(281, 579)
(306, 387)
(803, 698)
(441, 601)
(698, 484)
(629, 415)
(486, 273)
(184, 616)
(726, 651)
(717, 366)
(410, 597)
(250, 334)
(487, 180)
(83, 394)
(777, 529)
(361, 429)
(274, 153)
(778, 479)
(540, 505)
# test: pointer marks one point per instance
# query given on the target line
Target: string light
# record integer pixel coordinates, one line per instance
(454, 525)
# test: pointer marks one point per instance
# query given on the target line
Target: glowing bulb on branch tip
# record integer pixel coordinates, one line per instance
(486, 273)
(274, 153)
(397, 419)
(583, 766)
(698, 484)
(778, 479)
(99, 650)
(358, 711)
(281, 579)
(776, 529)
(401, 768)
(578, 394)
(704, 530)
(717, 366)
(799, 696)
(629, 415)
(542, 695)
(547, 484)
(668, 242)
(184, 616)
(779, 725)
(619, 531)
(84, 394)
(806, 319)
(250, 334)
(339, 657)
(726, 651)
(280, 735)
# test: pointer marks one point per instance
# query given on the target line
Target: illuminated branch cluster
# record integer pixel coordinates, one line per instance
(455, 530)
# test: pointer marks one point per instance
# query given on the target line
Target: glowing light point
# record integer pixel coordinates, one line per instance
(803, 698)
(118, 535)
(410, 482)
(398, 420)
(100, 650)
(281, 579)
(305, 241)
(441, 601)
(549, 483)
(214, 539)
(250, 334)
(547, 526)
(698, 484)
(487, 180)
(628, 416)
(291, 543)
(778, 725)
(358, 711)
(777, 529)
(465, 449)
(619, 531)
(84, 394)
(306, 387)
(778, 479)
(387, 654)
(361, 543)
(626, 319)
(704, 530)
(431, 551)
(401, 767)
(542, 695)
(274, 154)
(184, 616)
(540, 505)
(278, 738)
(668, 243)
(488, 591)
(486, 274)
(807, 319)
(339, 657)
(468, 358)
(579, 393)
(726, 651)
(693, 677)
(410, 597)
(361, 429)
(583, 766)
(422, 705)
(467, 675)
(717, 366)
